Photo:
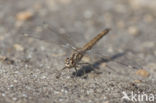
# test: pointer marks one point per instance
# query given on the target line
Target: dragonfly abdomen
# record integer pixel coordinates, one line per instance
(91, 43)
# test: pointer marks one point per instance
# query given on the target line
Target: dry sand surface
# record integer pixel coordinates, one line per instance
(30, 68)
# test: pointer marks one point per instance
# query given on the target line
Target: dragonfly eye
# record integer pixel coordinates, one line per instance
(67, 61)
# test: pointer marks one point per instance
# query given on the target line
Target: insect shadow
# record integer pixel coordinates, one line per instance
(92, 67)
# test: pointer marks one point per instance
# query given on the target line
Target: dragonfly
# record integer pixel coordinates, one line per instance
(77, 54)
(73, 61)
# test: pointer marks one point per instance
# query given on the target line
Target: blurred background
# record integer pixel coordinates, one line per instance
(28, 66)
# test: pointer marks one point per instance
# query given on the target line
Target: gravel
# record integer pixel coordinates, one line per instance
(30, 66)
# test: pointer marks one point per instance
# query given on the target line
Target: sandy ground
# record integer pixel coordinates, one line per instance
(30, 69)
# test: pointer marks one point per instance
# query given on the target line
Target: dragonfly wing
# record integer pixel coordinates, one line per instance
(51, 35)
(63, 35)
(116, 62)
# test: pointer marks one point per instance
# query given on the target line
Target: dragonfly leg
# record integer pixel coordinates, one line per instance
(76, 71)
(59, 73)
(63, 68)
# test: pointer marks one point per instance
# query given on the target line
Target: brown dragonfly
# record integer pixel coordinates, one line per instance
(73, 61)
(76, 56)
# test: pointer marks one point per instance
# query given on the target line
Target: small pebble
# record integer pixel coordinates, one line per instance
(24, 15)
(1, 37)
(88, 14)
(56, 92)
(133, 30)
(24, 95)
(64, 91)
(2, 57)
(18, 47)
(103, 65)
(110, 50)
(106, 102)
(14, 98)
(11, 86)
(142, 72)
(3, 94)
(91, 91)
(148, 44)
(137, 81)
(120, 24)
(148, 18)
(44, 77)
(15, 81)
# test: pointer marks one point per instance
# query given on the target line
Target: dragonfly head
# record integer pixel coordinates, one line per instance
(69, 63)
(72, 61)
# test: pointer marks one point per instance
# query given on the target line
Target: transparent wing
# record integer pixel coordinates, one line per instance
(50, 34)
(62, 34)
(121, 60)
